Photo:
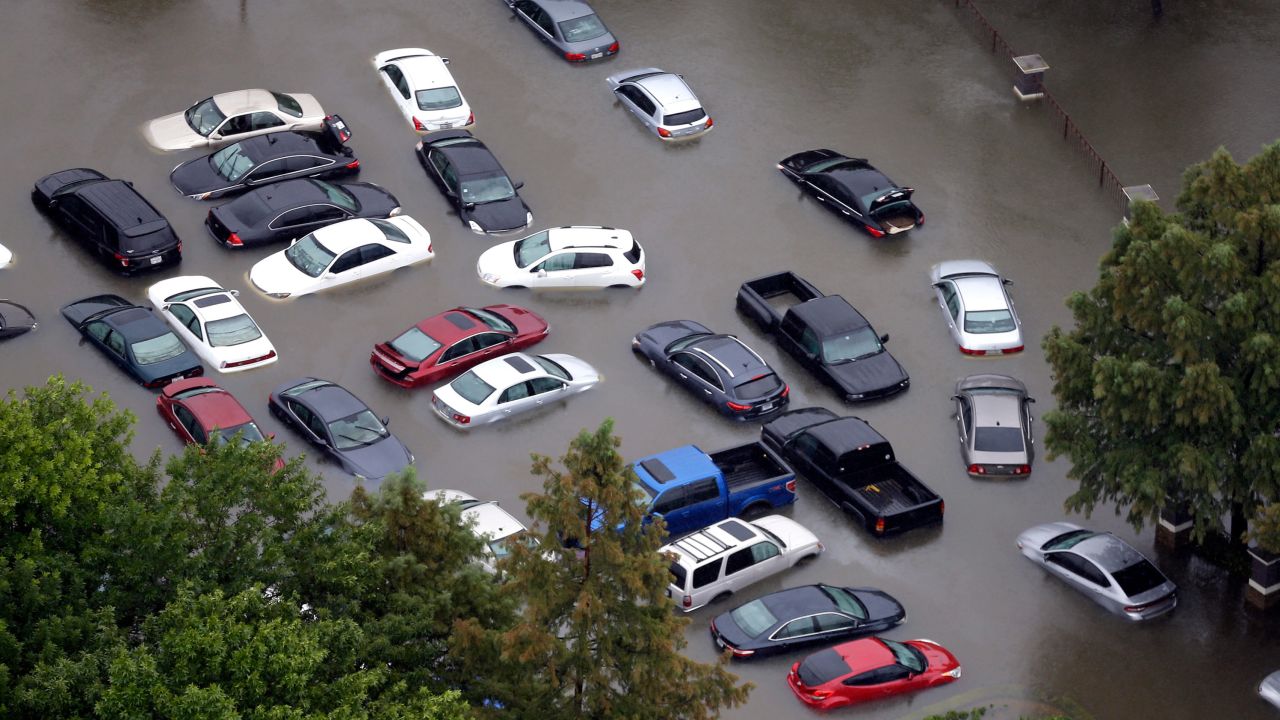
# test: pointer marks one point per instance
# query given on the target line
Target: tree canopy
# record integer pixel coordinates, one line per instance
(1167, 385)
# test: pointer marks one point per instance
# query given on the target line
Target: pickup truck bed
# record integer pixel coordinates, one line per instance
(748, 464)
(891, 490)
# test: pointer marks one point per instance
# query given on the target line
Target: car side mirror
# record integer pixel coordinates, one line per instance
(166, 307)
(444, 60)
(518, 185)
(271, 436)
(235, 293)
(330, 275)
(215, 136)
(884, 338)
(937, 284)
(1031, 399)
(1006, 281)
(468, 206)
(542, 273)
(386, 419)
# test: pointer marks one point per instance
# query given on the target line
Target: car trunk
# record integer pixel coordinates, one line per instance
(894, 211)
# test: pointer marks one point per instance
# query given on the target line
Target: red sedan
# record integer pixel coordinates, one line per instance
(454, 340)
(197, 409)
(870, 669)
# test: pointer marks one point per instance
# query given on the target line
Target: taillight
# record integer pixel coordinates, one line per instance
(879, 526)
(739, 407)
(614, 47)
(179, 246)
(638, 273)
(942, 507)
(921, 220)
(875, 232)
(1010, 351)
(967, 351)
(353, 164)
(791, 485)
(417, 125)
(251, 361)
(575, 57)
(818, 695)
(471, 118)
(234, 240)
(460, 418)
(197, 372)
(687, 601)
(431, 247)
(977, 469)
(154, 384)
(664, 132)
(739, 653)
(124, 262)
(786, 390)
(710, 122)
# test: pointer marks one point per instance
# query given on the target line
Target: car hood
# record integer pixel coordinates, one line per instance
(1032, 538)
(794, 535)
(374, 201)
(197, 176)
(500, 260)
(581, 372)
(378, 460)
(171, 132)
(499, 216)
(868, 375)
(728, 629)
(880, 605)
(275, 274)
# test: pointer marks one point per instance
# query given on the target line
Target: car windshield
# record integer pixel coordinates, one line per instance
(309, 256)
(415, 345)
(532, 249)
(249, 433)
(502, 546)
(850, 346)
(441, 98)
(338, 196)
(753, 618)
(487, 189)
(688, 117)
(287, 104)
(846, 601)
(472, 388)
(1068, 540)
(758, 386)
(982, 322)
(232, 331)
(204, 116)
(906, 656)
(493, 320)
(686, 341)
(230, 162)
(997, 439)
(390, 230)
(358, 430)
(157, 349)
(579, 29)
(1139, 578)
(552, 368)
(642, 494)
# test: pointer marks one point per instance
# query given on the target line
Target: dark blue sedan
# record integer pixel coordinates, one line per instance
(802, 616)
(718, 369)
(133, 338)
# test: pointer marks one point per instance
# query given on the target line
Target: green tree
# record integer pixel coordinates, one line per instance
(1167, 385)
(597, 636)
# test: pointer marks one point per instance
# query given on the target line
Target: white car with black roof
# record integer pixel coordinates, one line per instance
(509, 385)
(213, 323)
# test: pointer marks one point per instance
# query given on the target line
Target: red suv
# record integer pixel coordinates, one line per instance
(448, 343)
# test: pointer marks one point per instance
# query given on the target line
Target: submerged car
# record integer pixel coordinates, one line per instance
(979, 311)
(15, 319)
(339, 423)
(569, 256)
(993, 413)
(231, 116)
(870, 669)
(663, 102)
(720, 370)
(6, 257)
(268, 159)
(455, 340)
(424, 89)
(504, 386)
(499, 529)
(283, 211)
(212, 321)
(855, 189)
(199, 411)
(570, 27)
(340, 254)
(1269, 689)
(473, 182)
(1102, 567)
(801, 616)
(133, 338)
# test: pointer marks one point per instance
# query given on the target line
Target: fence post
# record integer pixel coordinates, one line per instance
(1031, 69)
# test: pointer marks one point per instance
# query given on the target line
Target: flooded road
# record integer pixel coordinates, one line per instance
(904, 84)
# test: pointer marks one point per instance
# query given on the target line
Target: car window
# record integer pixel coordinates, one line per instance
(153, 350)
(688, 117)
(115, 342)
(810, 344)
(758, 386)
(753, 618)
(442, 165)
(471, 387)
(951, 299)
(1079, 567)
(552, 368)
(982, 322)
(235, 125)
(643, 102)
(530, 249)
(1139, 578)
(441, 98)
(1002, 439)
(465, 346)
(300, 216)
(487, 188)
(489, 339)
(796, 628)
(493, 320)
(357, 430)
(349, 260)
(833, 622)
(188, 421)
(581, 29)
(846, 601)
(545, 384)
(397, 79)
(698, 367)
(233, 331)
(543, 20)
(672, 499)
(851, 345)
(558, 262)
(906, 656)
(309, 256)
(738, 561)
(287, 104)
(592, 260)
(204, 116)
(337, 195)
(966, 412)
(391, 231)
(374, 251)
(519, 391)
(188, 319)
(269, 169)
(633, 255)
(762, 551)
(415, 345)
(302, 163)
(707, 574)
(230, 163)
(264, 121)
(98, 330)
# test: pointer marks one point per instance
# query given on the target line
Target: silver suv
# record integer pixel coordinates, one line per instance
(663, 102)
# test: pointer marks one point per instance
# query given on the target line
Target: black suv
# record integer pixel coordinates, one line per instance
(116, 223)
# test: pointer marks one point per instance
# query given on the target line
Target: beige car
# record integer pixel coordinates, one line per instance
(231, 116)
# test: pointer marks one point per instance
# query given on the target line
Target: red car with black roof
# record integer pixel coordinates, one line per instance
(446, 344)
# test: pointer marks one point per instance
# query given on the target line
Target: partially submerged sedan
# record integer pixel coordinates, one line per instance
(979, 311)
(473, 181)
(424, 89)
(455, 340)
(231, 116)
(15, 319)
(134, 339)
(1102, 567)
(855, 189)
(570, 27)
(509, 385)
(499, 529)
(802, 616)
(993, 413)
(199, 411)
(284, 211)
(870, 669)
(212, 321)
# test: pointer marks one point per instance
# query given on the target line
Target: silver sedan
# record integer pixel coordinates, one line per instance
(978, 310)
(1103, 567)
(993, 414)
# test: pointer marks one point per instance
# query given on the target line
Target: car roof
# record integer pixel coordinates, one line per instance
(729, 354)
(992, 382)
(120, 203)
(981, 292)
(829, 315)
(671, 92)
(136, 323)
(845, 434)
(272, 145)
(492, 520)
(565, 9)
(997, 408)
(331, 401)
(798, 601)
(502, 372)
(588, 236)
(242, 101)
(713, 541)
(470, 156)
(451, 326)
(425, 71)
(865, 654)
(216, 305)
(287, 194)
(215, 407)
(1108, 551)
(343, 236)
(860, 177)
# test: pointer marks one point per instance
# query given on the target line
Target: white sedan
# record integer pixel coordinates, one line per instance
(341, 253)
(511, 384)
(231, 116)
(570, 256)
(424, 89)
(211, 321)
(499, 529)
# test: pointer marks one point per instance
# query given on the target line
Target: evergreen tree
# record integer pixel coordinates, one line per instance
(1167, 386)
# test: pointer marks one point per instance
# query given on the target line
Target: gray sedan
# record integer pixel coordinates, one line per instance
(993, 414)
(977, 307)
(1103, 567)
(571, 27)
(662, 101)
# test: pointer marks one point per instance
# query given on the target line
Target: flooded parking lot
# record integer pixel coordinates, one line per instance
(904, 84)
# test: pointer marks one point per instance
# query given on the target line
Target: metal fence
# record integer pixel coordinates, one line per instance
(1071, 132)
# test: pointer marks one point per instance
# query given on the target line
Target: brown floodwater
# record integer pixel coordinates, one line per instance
(906, 84)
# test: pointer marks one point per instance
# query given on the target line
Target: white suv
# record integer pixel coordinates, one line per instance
(570, 256)
(717, 561)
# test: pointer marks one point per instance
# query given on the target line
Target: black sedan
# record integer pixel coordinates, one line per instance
(283, 211)
(133, 338)
(718, 369)
(855, 189)
(473, 181)
(15, 320)
(331, 418)
(266, 159)
(807, 615)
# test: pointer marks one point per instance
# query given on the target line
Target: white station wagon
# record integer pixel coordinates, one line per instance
(561, 257)
(231, 116)
(424, 89)
(212, 322)
(499, 529)
(509, 385)
(342, 253)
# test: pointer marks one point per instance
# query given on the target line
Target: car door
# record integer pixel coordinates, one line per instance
(264, 122)
(393, 76)
(670, 505)
(557, 270)
(232, 127)
(307, 422)
(694, 373)
(797, 632)
(444, 174)
(459, 355)
(188, 425)
(1077, 571)
(827, 191)
(537, 19)
(594, 268)
(834, 625)
(515, 399)
(703, 504)
(117, 350)
(964, 423)
(949, 301)
(1027, 432)
(645, 108)
(377, 259)
(489, 344)
(183, 319)
(349, 267)
(547, 389)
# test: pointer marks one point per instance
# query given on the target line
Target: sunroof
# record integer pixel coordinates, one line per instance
(460, 321)
(658, 470)
(737, 529)
(212, 300)
(520, 364)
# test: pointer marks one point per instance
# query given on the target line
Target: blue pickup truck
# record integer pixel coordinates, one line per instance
(691, 489)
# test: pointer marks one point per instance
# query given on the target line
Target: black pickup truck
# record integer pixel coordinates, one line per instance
(856, 468)
(826, 334)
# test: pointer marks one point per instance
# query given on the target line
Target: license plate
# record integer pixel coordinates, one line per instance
(446, 126)
(766, 407)
(597, 56)
(720, 642)
(155, 260)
